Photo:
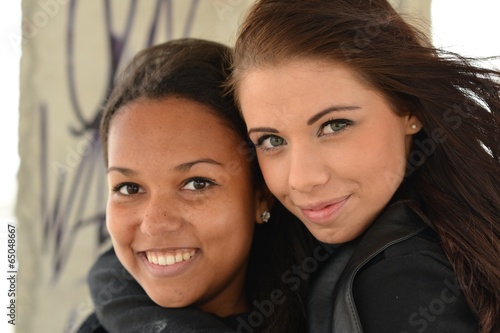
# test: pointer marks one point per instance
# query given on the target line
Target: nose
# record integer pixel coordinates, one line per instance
(160, 217)
(306, 170)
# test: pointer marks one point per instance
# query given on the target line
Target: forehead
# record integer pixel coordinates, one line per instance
(300, 66)
(166, 112)
(170, 125)
(297, 82)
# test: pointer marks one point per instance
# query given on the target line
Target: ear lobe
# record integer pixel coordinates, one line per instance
(413, 125)
(265, 201)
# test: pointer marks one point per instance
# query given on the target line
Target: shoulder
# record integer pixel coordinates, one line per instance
(411, 287)
(425, 245)
(91, 325)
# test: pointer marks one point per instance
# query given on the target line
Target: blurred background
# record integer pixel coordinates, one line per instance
(58, 62)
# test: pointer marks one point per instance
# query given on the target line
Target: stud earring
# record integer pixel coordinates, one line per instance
(265, 216)
(413, 126)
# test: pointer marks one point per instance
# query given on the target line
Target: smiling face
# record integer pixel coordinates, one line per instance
(182, 207)
(330, 148)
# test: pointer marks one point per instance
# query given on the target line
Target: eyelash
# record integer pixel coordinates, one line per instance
(345, 122)
(209, 183)
(117, 188)
(263, 138)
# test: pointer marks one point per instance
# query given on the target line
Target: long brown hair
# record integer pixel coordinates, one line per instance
(454, 165)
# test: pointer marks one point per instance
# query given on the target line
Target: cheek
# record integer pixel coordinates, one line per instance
(227, 238)
(274, 173)
(240, 219)
(120, 224)
(384, 164)
(231, 211)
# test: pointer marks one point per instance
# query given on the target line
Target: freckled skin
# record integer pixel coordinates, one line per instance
(152, 138)
(354, 155)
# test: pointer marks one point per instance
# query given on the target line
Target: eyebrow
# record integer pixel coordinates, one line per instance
(181, 167)
(262, 129)
(124, 171)
(188, 165)
(312, 120)
(326, 111)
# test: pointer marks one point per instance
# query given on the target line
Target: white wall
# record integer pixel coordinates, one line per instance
(471, 28)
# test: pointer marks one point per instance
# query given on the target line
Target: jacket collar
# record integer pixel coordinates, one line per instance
(331, 292)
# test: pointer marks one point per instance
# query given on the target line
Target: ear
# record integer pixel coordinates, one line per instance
(264, 202)
(413, 125)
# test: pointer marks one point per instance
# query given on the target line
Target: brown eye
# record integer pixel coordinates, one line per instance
(132, 189)
(198, 184)
(128, 189)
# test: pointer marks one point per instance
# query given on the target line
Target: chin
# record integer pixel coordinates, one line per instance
(169, 301)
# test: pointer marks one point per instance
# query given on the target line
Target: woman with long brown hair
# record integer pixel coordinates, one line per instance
(385, 147)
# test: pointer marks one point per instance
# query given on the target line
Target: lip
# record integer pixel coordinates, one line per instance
(324, 212)
(176, 269)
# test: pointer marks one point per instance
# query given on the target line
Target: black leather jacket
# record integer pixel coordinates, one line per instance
(394, 278)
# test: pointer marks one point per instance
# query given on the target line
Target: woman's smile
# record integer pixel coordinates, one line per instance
(324, 212)
(160, 263)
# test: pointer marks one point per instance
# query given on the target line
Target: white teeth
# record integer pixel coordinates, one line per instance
(167, 259)
(170, 260)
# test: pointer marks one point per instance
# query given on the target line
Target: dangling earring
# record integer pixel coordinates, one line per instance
(265, 216)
